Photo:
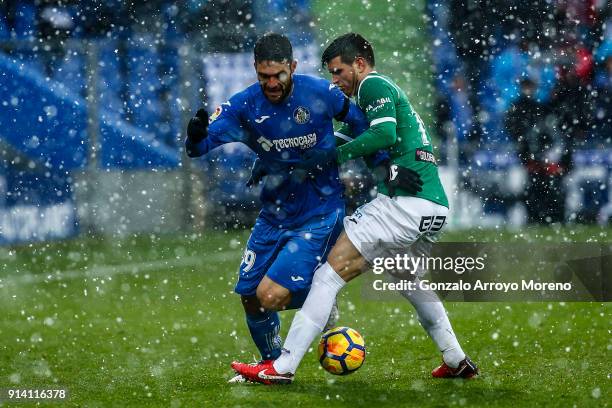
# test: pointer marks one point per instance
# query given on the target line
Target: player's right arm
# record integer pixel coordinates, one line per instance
(343, 134)
(378, 101)
(224, 126)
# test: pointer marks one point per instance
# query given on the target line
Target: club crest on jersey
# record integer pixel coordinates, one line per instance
(301, 115)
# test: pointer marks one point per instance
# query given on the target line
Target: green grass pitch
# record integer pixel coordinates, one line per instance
(152, 321)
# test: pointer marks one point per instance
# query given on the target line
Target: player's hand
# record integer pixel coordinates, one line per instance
(316, 159)
(258, 171)
(197, 129)
(379, 162)
(312, 160)
(380, 158)
(403, 178)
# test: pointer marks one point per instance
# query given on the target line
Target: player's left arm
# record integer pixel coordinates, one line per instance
(378, 103)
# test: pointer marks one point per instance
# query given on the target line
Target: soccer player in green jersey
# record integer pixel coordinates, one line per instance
(409, 219)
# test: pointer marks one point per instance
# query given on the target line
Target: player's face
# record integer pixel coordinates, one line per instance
(275, 79)
(343, 75)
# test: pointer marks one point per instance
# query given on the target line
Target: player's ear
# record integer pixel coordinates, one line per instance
(293, 66)
(359, 65)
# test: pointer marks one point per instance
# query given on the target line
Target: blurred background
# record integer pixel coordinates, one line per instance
(95, 95)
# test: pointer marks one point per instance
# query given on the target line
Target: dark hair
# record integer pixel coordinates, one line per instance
(348, 47)
(273, 47)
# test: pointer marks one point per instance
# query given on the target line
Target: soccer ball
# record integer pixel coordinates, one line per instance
(341, 350)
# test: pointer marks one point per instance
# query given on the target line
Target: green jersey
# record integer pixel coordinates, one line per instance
(397, 128)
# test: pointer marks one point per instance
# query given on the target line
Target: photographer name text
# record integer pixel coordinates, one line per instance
(478, 285)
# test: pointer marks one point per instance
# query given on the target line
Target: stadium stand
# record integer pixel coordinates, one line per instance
(150, 73)
(482, 52)
(148, 79)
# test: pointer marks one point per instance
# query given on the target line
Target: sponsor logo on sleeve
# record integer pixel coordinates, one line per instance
(378, 104)
(215, 114)
(218, 112)
(425, 156)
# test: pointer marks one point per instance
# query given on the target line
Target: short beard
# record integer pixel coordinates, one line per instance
(285, 92)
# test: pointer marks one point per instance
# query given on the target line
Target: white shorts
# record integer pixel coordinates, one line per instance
(384, 224)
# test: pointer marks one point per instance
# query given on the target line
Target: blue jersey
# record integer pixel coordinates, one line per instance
(280, 134)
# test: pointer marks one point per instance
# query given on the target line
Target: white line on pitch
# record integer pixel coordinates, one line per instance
(111, 270)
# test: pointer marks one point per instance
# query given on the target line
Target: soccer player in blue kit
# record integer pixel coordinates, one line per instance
(287, 119)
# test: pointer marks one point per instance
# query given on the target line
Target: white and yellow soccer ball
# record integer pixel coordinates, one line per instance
(341, 350)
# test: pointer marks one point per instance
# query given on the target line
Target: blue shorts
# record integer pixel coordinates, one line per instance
(288, 257)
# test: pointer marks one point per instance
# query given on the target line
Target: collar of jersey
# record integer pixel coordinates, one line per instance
(361, 83)
(378, 76)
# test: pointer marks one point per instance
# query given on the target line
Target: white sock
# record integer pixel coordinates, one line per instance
(310, 320)
(433, 318)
